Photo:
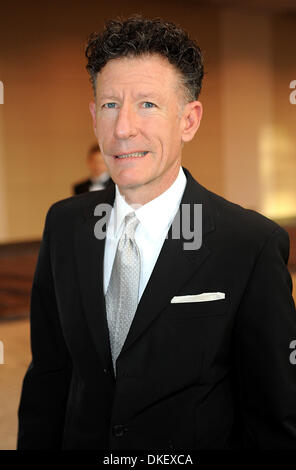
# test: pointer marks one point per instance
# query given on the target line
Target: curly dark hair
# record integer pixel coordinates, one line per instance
(138, 36)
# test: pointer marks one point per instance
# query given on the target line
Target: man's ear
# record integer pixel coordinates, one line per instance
(192, 116)
(92, 108)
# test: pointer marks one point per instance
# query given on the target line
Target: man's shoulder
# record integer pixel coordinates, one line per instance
(234, 213)
(83, 204)
(241, 224)
(234, 223)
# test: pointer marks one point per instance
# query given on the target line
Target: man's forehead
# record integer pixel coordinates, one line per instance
(145, 65)
(144, 73)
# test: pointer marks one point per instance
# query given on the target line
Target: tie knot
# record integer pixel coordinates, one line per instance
(131, 223)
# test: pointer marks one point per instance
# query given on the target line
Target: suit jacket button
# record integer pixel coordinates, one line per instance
(119, 430)
(107, 371)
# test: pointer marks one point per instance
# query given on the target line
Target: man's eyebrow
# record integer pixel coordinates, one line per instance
(140, 95)
(151, 94)
(107, 97)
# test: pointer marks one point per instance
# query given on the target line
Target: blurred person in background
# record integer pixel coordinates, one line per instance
(98, 174)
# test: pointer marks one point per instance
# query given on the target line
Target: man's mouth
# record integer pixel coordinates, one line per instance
(132, 155)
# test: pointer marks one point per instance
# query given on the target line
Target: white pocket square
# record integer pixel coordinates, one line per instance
(205, 297)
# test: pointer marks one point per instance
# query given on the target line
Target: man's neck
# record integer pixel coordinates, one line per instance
(138, 196)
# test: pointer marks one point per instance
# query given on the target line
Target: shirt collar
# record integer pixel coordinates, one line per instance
(157, 215)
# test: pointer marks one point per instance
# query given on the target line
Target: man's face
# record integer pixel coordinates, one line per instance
(138, 111)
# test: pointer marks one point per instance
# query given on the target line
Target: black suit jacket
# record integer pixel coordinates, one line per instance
(208, 375)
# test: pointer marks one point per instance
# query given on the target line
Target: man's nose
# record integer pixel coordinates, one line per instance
(126, 124)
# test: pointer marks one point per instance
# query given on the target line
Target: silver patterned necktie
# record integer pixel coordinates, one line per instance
(123, 289)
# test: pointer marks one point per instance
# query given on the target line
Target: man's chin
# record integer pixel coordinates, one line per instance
(126, 185)
(126, 180)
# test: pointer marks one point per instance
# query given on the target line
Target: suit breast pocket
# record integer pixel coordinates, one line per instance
(196, 310)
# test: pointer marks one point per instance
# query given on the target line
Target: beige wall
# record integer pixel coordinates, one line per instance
(246, 101)
(3, 202)
(280, 178)
(45, 126)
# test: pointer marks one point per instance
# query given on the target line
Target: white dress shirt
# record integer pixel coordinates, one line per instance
(155, 219)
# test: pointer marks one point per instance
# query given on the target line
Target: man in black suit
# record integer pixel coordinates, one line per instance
(99, 177)
(141, 338)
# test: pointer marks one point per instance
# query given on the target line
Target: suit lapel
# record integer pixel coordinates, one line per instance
(174, 265)
(89, 255)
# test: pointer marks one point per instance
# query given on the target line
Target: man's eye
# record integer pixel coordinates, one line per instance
(109, 105)
(147, 104)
